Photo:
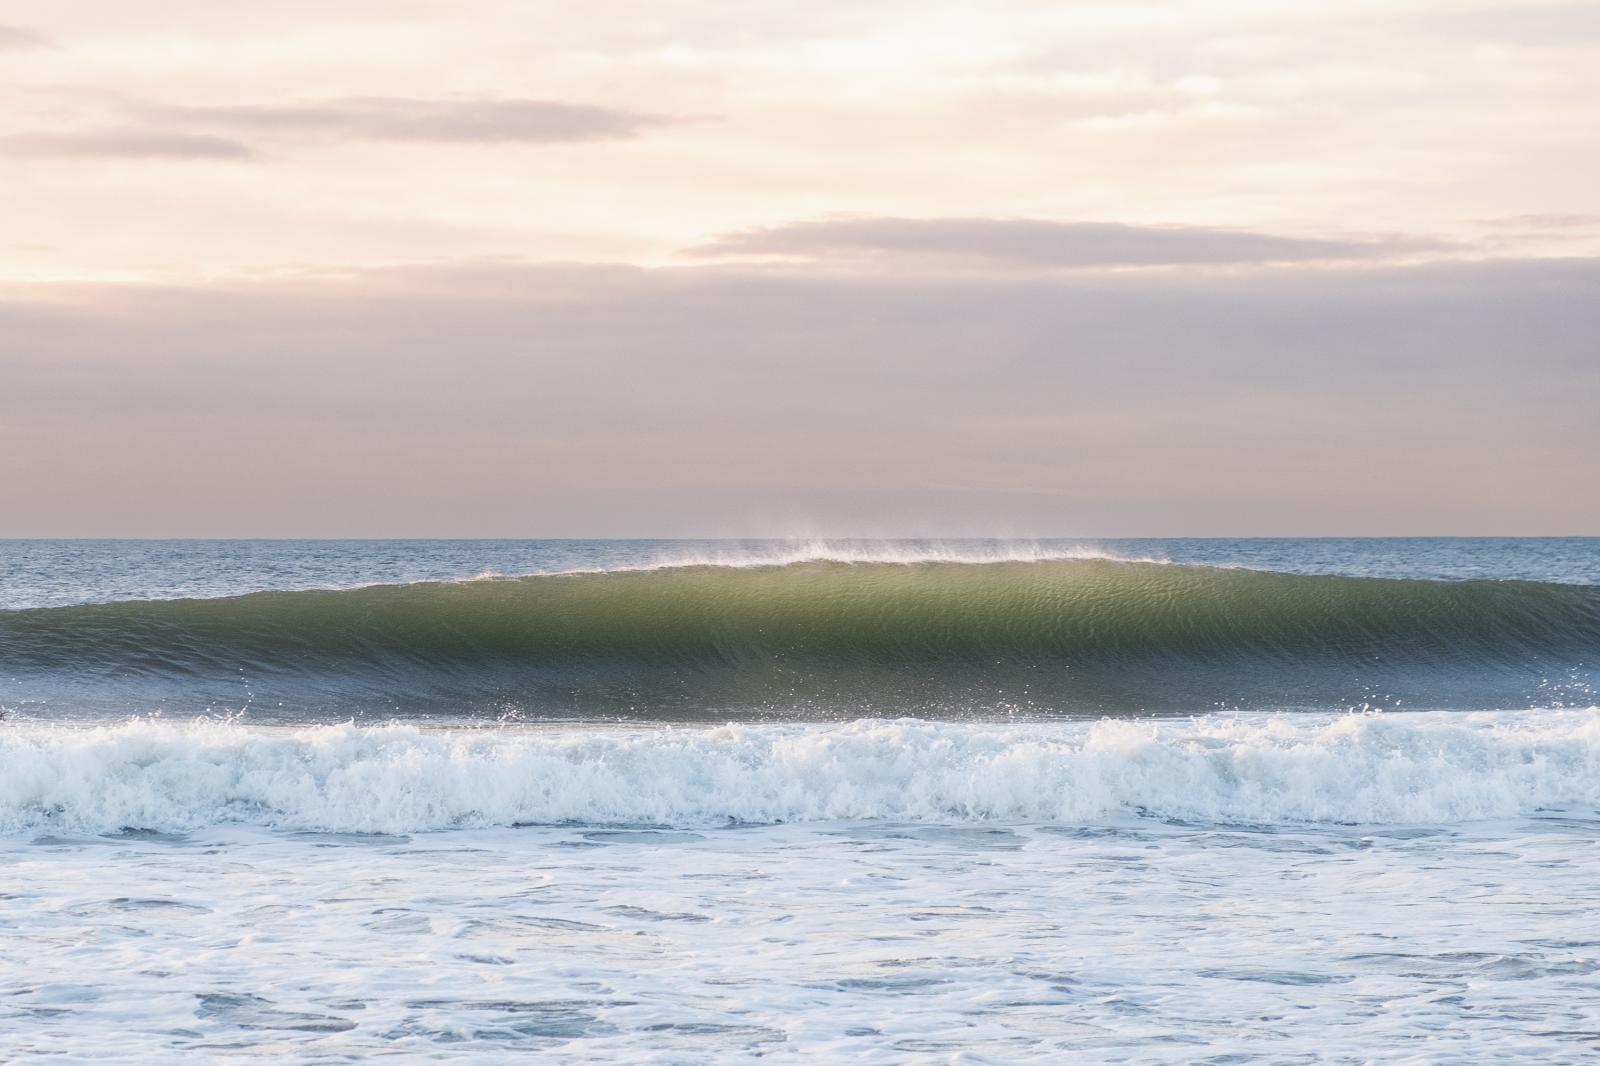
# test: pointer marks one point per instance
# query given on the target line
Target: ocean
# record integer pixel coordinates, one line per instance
(1219, 801)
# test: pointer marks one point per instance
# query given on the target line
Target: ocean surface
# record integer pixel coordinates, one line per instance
(1220, 801)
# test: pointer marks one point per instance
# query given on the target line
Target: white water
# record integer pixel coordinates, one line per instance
(1130, 941)
(1258, 769)
(1116, 891)
(907, 553)
(750, 556)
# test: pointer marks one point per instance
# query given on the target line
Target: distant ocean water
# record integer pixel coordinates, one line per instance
(1179, 800)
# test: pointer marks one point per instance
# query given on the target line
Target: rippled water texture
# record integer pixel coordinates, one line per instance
(1132, 940)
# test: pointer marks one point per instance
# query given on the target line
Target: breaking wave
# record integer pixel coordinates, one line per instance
(393, 778)
(821, 638)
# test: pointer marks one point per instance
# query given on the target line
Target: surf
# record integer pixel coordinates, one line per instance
(830, 638)
(397, 778)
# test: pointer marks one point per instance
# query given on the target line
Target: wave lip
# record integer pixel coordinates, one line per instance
(1383, 768)
(744, 556)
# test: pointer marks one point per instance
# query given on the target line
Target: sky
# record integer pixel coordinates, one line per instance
(876, 267)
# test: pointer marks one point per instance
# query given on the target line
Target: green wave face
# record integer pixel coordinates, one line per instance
(1076, 636)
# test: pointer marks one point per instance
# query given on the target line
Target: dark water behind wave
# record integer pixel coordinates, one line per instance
(808, 637)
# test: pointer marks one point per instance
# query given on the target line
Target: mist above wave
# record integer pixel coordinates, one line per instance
(746, 555)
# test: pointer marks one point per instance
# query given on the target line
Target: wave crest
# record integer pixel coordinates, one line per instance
(745, 556)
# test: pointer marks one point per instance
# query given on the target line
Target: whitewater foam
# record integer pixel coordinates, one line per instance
(1356, 768)
(746, 556)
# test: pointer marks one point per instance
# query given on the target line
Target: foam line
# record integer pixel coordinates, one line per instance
(1391, 768)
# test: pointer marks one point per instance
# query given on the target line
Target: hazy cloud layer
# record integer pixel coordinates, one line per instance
(422, 131)
(127, 144)
(1036, 243)
(1547, 25)
(17, 37)
(949, 345)
(609, 400)
(1545, 222)
(492, 120)
(202, 133)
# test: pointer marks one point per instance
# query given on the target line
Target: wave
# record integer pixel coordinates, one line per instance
(829, 638)
(395, 778)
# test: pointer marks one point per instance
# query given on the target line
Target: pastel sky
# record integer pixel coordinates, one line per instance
(706, 267)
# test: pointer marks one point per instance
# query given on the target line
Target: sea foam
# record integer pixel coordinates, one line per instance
(1262, 769)
(745, 556)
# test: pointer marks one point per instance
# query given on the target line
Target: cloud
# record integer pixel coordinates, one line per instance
(14, 37)
(557, 399)
(1556, 222)
(225, 132)
(127, 144)
(1036, 243)
(396, 118)
(1554, 25)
